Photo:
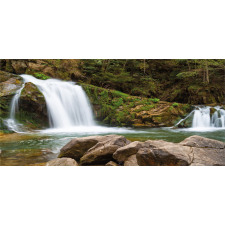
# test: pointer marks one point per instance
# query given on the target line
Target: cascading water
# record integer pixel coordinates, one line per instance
(11, 122)
(205, 117)
(67, 103)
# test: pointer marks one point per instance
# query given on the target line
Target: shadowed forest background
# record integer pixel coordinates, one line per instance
(193, 81)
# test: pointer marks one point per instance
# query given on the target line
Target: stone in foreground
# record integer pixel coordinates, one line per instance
(62, 162)
(76, 148)
(103, 151)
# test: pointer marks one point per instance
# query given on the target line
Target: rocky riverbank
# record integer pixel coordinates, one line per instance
(114, 150)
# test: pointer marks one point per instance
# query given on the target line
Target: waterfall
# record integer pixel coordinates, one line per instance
(206, 117)
(66, 102)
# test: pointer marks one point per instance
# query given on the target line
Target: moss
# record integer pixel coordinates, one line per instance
(41, 76)
(116, 108)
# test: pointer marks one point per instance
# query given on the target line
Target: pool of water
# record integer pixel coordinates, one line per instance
(36, 148)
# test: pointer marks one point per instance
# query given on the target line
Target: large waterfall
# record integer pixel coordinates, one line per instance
(67, 103)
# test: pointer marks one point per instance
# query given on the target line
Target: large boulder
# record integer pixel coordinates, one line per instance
(76, 148)
(62, 162)
(205, 151)
(121, 154)
(162, 153)
(194, 151)
(102, 152)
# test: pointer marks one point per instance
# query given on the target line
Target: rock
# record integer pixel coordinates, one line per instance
(123, 153)
(202, 142)
(193, 151)
(76, 148)
(102, 152)
(111, 163)
(32, 108)
(131, 161)
(207, 152)
(162, 153)
(62, 162)
(19, 66)
(9, 84)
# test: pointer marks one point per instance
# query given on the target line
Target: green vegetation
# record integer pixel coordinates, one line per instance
(117, 108)
(175, 104)
(41, 76)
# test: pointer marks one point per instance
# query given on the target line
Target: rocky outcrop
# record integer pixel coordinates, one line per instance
(62, 162)
(120, 109)
(113, 150)
(33, 109)
(58, 68)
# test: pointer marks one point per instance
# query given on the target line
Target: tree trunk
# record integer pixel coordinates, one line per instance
(207, 71)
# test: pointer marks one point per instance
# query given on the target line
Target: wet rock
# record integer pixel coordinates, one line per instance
(202, 142)
(162, 153)
(76, 148)
(123, 153)
(62, 162)
(131, 161)
(111, 163)
(102, 152)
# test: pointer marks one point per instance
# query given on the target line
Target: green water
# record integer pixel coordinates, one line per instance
(36, 148)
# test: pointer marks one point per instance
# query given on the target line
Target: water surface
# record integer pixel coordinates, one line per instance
(39, 147)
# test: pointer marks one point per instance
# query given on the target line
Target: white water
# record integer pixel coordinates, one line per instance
(11, 122)
(204, 120)
(67, 104)
(69, 110)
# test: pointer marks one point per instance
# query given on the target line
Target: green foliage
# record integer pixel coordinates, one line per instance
(175, 104)
(155, 100)
(41, 76)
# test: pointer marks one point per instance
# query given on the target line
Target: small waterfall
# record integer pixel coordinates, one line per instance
(209, 117)
(206, 117)
(11, 123)
(67, 103)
